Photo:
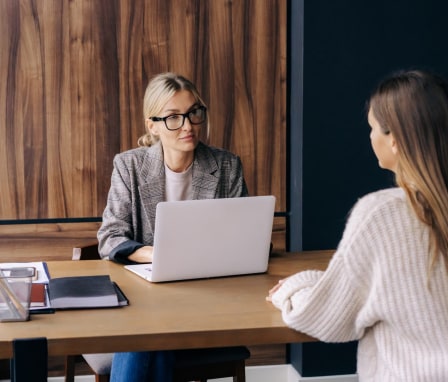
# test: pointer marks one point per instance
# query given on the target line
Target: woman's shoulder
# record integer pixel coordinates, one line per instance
(382, 204)
(137, 154)
(215, 151)
(141, 161)
(139, 151)
(382, 198)
(372, 217)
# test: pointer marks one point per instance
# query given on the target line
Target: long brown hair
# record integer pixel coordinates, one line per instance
(413, 107)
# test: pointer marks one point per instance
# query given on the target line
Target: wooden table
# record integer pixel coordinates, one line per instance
(188, 314)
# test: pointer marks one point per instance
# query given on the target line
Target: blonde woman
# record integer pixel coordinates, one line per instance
(387, 284)
(170, 164)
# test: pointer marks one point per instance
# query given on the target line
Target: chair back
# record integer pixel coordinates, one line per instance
(87, 252)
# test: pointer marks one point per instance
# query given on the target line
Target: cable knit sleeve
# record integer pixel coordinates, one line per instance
(322, 304)
(339, 304)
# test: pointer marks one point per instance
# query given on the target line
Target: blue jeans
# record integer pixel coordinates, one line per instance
(153, 366)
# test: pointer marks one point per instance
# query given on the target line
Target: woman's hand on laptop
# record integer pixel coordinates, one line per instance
(142, 255)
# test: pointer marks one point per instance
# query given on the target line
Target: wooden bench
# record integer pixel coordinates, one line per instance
(44, 242)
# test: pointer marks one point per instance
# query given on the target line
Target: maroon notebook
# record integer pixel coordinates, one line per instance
(38, 293)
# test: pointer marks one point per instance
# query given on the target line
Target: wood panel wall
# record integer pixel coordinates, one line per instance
(72, 77)
(73, 73)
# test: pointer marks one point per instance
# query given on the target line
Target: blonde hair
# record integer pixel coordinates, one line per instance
(158, 92)
(413, 107)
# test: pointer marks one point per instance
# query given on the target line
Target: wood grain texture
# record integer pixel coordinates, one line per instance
(73, 76)
(44, 241)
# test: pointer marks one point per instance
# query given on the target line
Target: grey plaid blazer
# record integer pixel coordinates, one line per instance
(138, 184)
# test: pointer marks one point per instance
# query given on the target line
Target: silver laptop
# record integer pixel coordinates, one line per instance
(210, 238)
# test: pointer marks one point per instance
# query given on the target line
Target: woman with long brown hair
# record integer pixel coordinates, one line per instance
(387, 284)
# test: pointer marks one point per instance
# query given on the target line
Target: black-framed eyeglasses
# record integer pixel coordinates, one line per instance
(196, 116)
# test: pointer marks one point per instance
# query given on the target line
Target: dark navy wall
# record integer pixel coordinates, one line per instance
(339, 50)
(348, 45)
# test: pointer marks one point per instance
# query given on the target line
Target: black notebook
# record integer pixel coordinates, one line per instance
(85, 292)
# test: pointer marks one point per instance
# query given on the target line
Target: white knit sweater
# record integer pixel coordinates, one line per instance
(375, 290)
